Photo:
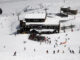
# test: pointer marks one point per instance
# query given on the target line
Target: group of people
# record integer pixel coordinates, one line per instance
(71, 51)
(47, 41)
(57, 44)
(64, 43)
(55, 51)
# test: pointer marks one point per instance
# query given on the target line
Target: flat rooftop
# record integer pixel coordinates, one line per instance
(35, 16)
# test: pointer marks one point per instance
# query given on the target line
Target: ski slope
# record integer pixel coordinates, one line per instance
(9, 43)
(16, 43)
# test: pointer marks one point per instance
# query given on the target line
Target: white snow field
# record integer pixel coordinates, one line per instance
(32, 50)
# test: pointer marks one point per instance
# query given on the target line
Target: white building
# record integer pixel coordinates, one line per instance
(37, 20)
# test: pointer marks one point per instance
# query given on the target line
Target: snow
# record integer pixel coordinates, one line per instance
(15, 43)
(8, 24)
(9, 43)
(33, 16)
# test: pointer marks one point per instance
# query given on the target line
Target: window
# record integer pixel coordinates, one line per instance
(34, 20)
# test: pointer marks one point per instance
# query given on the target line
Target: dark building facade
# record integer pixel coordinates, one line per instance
(31, 23)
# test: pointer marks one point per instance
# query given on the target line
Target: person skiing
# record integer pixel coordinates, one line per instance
(4, 46)
(63, 51)
(46, 51)
(54, 46)
(14, 53)
(24, 48)
(66, 34)
(54, 52)
(59, 37)
(70, 51)
(79, 50)
(50, 42)
(63, 42)
(57, 51)
(68, 38)
(73, 51)
(34, 50)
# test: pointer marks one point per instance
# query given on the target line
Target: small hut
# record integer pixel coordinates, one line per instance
(68, 11)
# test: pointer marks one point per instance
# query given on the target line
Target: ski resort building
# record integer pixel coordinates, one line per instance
(36, 22)
(68, 11)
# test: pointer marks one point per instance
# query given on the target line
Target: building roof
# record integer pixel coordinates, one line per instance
(35, 15)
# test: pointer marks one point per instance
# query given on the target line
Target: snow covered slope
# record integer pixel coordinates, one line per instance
(31, 50)
(11, 43)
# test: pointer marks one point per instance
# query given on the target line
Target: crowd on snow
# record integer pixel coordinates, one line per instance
(48, 41)
(61, 43)
(55, 45)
